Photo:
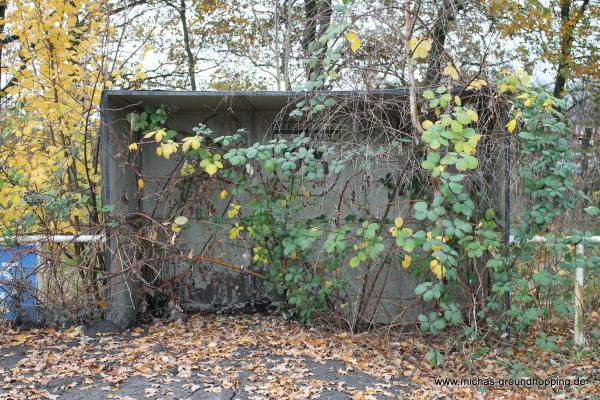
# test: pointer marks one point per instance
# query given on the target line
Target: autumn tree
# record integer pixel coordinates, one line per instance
(560, 36)
(57, 57)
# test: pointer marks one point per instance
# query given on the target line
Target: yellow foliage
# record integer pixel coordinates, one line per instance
(48, 141)
(234, 232)
(472, 114)
(438, 269)
(355, 42)
(191, 141)
(406, 261)
(477, 84)
(420, 48)
(234, 210)
(511, 125)
(450, 71)
(187, 169)
(166, 149)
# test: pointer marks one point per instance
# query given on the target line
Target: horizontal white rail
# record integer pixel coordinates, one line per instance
(53, 238)
(543, 239)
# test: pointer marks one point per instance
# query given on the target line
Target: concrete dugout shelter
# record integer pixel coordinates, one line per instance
(260, 114)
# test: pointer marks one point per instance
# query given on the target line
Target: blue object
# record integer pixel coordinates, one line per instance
(18, 283)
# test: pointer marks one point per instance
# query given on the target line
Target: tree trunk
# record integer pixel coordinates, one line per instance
(310, 31)
(568, 23)
(445, 15)
(317, 19)
(191, 61)
(288, 44)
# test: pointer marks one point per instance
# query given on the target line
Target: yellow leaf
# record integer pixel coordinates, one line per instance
(399, 222)
(234, 232)
(187, 169)
(192, 141)
(477, 84)
(438, 269)
(468, 149)
(233, 211)
(354, 41)
(420, 48)
(133, 147)
(473, 140)
(451, 71)
(426, 124)
(140, 183)
(211, 169)
(223, 194)
(245, 339)
(149, 134)
(512, 125)
(351, 36)
(406, 262)
(472, 115)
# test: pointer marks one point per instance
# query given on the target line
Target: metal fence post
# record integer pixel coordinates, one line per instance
(578, 336)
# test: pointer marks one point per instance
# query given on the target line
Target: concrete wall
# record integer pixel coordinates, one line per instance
(119, 190)
(209, 284)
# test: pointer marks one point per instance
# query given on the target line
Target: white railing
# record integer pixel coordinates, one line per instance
(578, 324)
(52, 238)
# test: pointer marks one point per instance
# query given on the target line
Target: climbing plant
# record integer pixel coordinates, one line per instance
(444, 238)
(540, 277)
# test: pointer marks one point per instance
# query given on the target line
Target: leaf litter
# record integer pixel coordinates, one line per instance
(267, 357)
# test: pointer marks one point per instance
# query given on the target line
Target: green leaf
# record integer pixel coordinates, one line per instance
(270, 165)
(463, 118)
(439, 324)
(448, 159)
(428, 94)
(431, 161)
(420, 206)
(445, 99)
(181, 220)
(456, 126)
(592, 210)
(422, 288)
(471, 162)
(329, 102)
(455, 187)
